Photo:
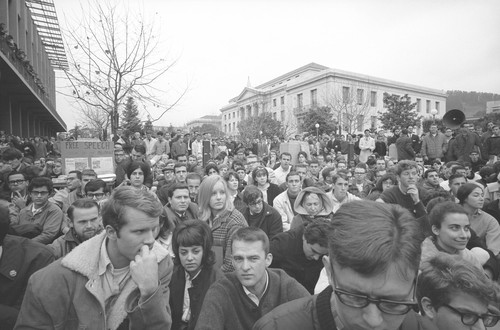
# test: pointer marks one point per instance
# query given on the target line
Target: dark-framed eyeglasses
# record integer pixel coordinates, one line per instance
(39, 193)
(468, 318)
(255, 203)
(16, 182)
(95, 195)
(388, 306)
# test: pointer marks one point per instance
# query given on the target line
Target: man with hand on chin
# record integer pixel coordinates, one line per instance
(406, 194)
(118, 278)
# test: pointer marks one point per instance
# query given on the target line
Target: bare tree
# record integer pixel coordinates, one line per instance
(350, 106)
(95, 119)
(114, 55)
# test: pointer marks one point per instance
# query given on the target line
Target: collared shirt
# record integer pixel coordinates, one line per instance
(38, 210)
(254, 298)
(112, 280)
(186, 304)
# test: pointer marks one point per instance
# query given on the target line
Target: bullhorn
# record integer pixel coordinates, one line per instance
(453, 118)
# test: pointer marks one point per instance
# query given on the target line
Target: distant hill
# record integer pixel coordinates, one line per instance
(473, 104)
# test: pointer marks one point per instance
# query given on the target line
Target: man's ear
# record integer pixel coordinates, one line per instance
(329, 269)
(111, 232)
(269, 259)
(427, 308)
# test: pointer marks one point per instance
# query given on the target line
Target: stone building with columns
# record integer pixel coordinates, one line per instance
(31, 48)
(356, 99)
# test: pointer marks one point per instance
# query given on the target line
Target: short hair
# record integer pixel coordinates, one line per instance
(455, 176)
(256, 171)
(181, 155)
(193, 176)
(114, 209)
(465, 190)
(82, 203)
(251, 193)
(303, 153)
(326, 171)
(16, 173)
(40, 182)
(211, 166)
(230, 174)
(146, 170)
(190, 233)
(96, 184)
(340, 175)
(78, 174)
(251, 235)
(384, 178)
(404, 165)
(89, 172)
(176, 186)
(439, 212)
(426, 173)
(292, 173)
(389, 237)
(140, 148)
(205, 193)
(286, 154)
(454, 169)
(11, 154)
(300, 166)
(160, 133)
(445, 275)
(179, 165)
(313, 161)
(317, 231)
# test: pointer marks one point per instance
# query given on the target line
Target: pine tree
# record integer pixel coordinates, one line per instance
(400, 112)
(131, 122)
(148, 125)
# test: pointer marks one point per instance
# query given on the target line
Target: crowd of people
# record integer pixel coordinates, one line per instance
(382, 230)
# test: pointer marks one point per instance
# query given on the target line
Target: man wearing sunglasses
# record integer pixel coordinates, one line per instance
(374, 253)
(453, 294)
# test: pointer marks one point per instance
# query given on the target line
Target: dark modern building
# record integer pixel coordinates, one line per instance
(31, 48)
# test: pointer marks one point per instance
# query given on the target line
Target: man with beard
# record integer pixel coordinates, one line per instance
(84, 223)
(406, 193)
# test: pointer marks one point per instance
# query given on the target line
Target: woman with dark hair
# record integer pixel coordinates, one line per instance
(136, 172)
(211, 169)
(387, 181)
(193, 273)
(269, 190)
(471, 197)
(233, 186)
(302, 157)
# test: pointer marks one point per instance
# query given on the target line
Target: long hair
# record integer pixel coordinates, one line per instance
(205, 193)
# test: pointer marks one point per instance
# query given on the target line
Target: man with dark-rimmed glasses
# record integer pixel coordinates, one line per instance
(453, 294)
(374, 254)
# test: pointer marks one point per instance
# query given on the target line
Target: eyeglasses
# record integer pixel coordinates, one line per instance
(40, 193)
(393, 307)
(257, 202)
(468, 318)
(16, 182)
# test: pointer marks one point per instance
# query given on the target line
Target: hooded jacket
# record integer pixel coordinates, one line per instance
(302, 216)
(67, 295)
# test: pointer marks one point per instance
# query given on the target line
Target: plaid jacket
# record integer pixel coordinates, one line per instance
(223, 227)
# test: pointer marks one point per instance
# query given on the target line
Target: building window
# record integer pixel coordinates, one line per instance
(428, 106)
(299, 101)
(282, 115)
(373, 122)
(275, 115)
(360, 96)
(225, 128)
(282, 100)
(419, 105)
(274, 102)
(314, 97)
(224, 117)
(234, 115)
(345, 94)
(373, 99)
(437, 106)
(234, 127)
(360, 122)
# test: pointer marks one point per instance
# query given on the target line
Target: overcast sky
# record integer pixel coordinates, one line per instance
(445, 45)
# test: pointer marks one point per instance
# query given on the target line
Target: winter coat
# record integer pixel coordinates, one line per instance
(68, 295)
